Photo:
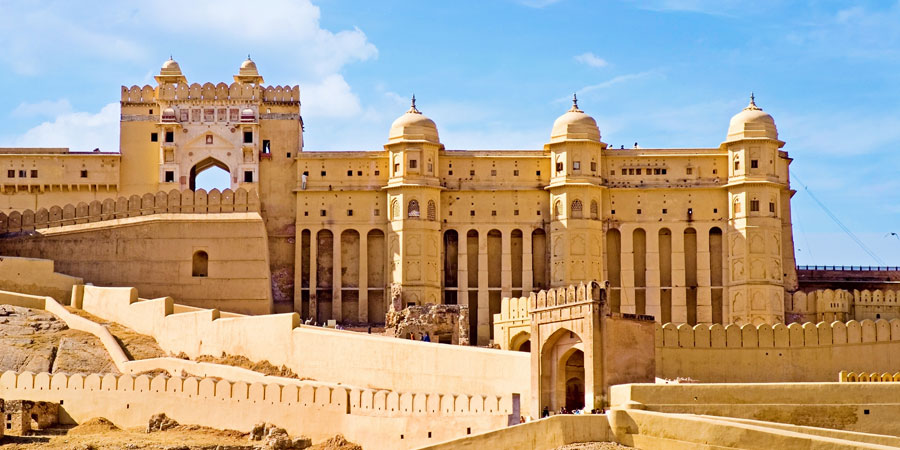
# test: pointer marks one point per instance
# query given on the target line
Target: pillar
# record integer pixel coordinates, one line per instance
(506, 264)
(364, 276)
(313, 272)
(484, 308)
(337, 283)
(527, 264)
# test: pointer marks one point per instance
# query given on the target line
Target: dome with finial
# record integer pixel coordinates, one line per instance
(413, 126)
(575, 125)
(170, 67)
(752, 123)
(248, 68)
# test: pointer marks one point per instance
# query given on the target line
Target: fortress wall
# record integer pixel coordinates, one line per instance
(35, 276)
(553, 432)
(840, 406)
(318, 412)
(320, 354)
(779, 353)
(155, 254)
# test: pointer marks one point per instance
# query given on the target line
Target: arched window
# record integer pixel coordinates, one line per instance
(395, 209)
(594, 213)
(412, 211)
(576, 208)
(557, 208)
(432, 210)
(737, 205)
(200, 264)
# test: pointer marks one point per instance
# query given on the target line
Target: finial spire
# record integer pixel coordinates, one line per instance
(575, 100)
(248, 57)
(752, 104)
(412, 106)
(170, 57)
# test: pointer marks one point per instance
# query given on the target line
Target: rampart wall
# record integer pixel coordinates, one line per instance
(156, 253)
(369, 361)
(375, 419)
(35, 276)
(172, 202)
(779, 353)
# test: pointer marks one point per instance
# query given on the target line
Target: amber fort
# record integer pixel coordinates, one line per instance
(419, 296)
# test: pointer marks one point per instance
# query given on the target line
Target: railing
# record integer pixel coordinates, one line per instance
(853, 268)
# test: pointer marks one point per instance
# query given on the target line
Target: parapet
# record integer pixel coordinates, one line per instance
(173, 202)
(211, 92)
(779, 335)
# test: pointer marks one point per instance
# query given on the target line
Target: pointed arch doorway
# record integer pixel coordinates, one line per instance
(212, 178)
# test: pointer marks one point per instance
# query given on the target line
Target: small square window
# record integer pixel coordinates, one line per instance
(516, 172)
(33, 173)
(472, 212)
(430, 167)
(612, 211)
(323, 213)
(663, 171)
(170, 137)
(689, 171)
(11, 173)
(665, 211)
(359, 173)
(516, 212)
(450, 172)
(248, 137)
(248, 176)
(349, 173)
(754, 164)
(170, 176)
(576, 165)
(630, 171)
(83, 174)
(377, 212)
(538, 173)
(715, 210)
(639, 211)
(377, 172)
(396, 168)
(288, 154)
(771, 207)
(656, 171)
(715, 171)
(349, 212)
(413, 164)
(538, 212)
(493, 172)
(323, 173)
(151, 111)
(471, 173)
(637, 171)
(450, 213)
(754, 205)
(306, 213)
(624, 171)
(154, 137)
(493, 213)
(593, 166)
(559, 167)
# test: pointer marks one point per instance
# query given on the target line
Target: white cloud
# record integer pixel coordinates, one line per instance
(46, 108)
(79, 131)
(332, 97)
(591, 59)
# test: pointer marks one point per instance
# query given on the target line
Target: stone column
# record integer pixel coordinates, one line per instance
(484, 310)
(336, 310)
(363, 276)
(704, 293)
(298, 272)
(527, 265)
(313, 272)
(679, 292)
(626, 269)
(506, 264)
(652, 276)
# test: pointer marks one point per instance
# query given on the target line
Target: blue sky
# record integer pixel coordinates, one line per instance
(494, 74)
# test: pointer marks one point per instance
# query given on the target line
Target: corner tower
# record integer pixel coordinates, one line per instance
(576, 193)
(760, 251)
(413, 196)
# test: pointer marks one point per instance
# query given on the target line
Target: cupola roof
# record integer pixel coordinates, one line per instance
(413, 126)
(752, 123)
(575, 125)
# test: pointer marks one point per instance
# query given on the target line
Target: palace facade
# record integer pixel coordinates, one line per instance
(690, 235)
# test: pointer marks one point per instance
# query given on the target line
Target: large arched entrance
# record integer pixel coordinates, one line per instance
(562, 371)
(209, 174)
(521, 342)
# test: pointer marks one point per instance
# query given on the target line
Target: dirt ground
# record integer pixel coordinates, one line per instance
(100, 434)
(135, 345)
(264, 367)
(38, 341)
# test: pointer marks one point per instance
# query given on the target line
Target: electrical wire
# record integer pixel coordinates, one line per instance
(838, 222)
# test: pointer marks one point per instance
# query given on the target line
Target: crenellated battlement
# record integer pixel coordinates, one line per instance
(208, 92)
(173, 202)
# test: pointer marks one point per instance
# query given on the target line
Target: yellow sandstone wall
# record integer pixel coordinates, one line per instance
(36, 277)
(779, 353)
(368, 361)
(155, 253)
(375, 419)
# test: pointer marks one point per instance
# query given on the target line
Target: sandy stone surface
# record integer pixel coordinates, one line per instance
(135, 345)
(593, 446)
(38, 341)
